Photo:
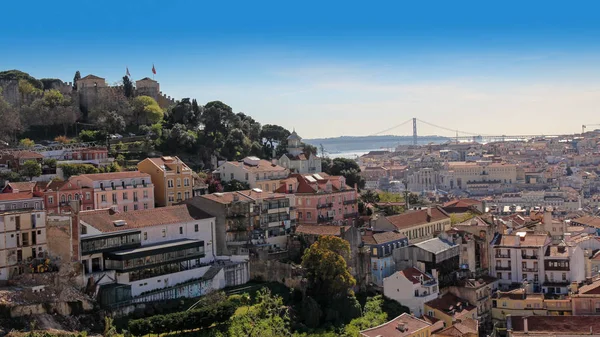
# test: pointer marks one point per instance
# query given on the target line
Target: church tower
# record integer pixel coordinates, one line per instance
(294, 144)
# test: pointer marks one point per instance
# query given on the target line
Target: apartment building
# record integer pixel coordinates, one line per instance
(322, 199)
(381, 245)
(172, 179)
(22, 240)
(21, 200)
(525, 326)
(520, 302)
(562, 266)
(479, 293)
(411, 287)
(121, 191)
(253, 171)
(586, 299)
(519, 257)
(417, 225)
(145, 250)
(450, 308)
(248, 218)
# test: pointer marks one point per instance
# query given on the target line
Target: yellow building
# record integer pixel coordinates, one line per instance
(172, 179)
(450, 308)
(22, 239)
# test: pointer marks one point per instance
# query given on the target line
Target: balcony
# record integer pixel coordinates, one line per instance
(350, 215)
(529, 257)
(502, 256)
(324, 219)
(526, 269)
(504, 268)
(350, 202)
(325, 205)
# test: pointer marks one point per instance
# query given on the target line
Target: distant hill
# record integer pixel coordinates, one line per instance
(349, 143)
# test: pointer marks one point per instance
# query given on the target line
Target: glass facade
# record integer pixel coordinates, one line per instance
(107, 243)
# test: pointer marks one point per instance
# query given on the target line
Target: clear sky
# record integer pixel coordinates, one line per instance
(331, 68)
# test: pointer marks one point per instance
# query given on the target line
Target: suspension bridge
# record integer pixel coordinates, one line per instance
(458, 135)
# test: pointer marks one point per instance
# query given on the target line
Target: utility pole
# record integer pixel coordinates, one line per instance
(406, 202)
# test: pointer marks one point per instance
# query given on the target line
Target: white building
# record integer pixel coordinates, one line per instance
(252, 170)
(411, 287)
(296, 161)
(146, 250)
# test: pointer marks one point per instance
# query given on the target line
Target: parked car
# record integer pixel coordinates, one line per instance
(116, 136)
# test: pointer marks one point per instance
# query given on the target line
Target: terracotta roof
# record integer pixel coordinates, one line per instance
(162, 161)
(554, 325)
(590, 289)
(116, 175)
(390, 329)
(415, 218)
(320, 229)
(476, 221)
(304, 186)
(91, 77)
(412, 274)
(247, 196)
(528, 240)
(459, 329)
(384, 237)
(103, 220)
(448, 302)
(22, 186)
(462, 203)
(592, 221)
(27, 155)
(17, 196)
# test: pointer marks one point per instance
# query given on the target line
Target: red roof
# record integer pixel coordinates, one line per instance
(462, 203)
(412, 274)
(16, 196)
(418, 217)
(319, 183)
(410, 324)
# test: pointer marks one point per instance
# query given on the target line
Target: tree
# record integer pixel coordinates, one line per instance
(274, 137)
(30, 169)
(111, 122)
(413, 199)
(76, 78)
(109, 328)
(26, 143)
(146, 110)
(268, 318)
(235, 185)
(127, 87)
(10, 121)
(372, 316)
(309, 149)
(327, 272)
(370, 197)
(345, 167)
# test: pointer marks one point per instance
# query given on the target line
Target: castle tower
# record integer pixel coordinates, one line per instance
(294, 144)
(147, 87)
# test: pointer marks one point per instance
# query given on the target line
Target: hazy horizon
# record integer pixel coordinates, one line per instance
(334, 69)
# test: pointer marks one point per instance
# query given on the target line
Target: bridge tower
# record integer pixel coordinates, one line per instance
(414, 131)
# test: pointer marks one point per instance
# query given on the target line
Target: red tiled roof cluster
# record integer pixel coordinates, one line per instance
(417, 217)
(104, 219)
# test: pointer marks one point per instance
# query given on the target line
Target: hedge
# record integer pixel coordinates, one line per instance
(202, 317)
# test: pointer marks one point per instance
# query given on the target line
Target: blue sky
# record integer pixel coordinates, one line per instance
(334, 68)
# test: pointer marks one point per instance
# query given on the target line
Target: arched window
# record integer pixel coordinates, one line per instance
(76, 196)
(62, 198)
(69, 197)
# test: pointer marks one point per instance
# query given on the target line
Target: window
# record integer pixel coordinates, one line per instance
(509, 275)
(195, 227)
(145, 205)
(180, 230)
(178, 182)
(145, 194)
(430, 313)
(170, 183)
(374, 265)
(50, 200)
(231, 177)
(125, 208)
(125, 195)
(564, 276)
(25, 205)
(374, 251)
(178, 196)
(135, 207)
(186, 182)
(164, 232)
(88, 196)
(308, 215)
(103, 197)
(114, 198)
(299, 215)
(247, 176)
(145, 236)
(186, 195)
(69, 197)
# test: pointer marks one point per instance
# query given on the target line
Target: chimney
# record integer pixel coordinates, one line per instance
(525, 327)
(401, 326)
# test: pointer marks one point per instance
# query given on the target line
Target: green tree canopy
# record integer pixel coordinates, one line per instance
(76, 78)
(146, 110)
(345, 167)
(268, 318)
(327, 272)
(127, 87)
(235, 185)
(30, 169)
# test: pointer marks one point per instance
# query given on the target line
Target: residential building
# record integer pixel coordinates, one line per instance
(122, 191)
(518, 257)
(145, 250)
(14, 160)
(552, 326)
(562, 266)
(246, 218)
(13, 187)
(477, 234)
(463, 328)
(22, 240)
(171, 177)
(586, 299)
(381, 245)
(404, 325)
(450, 308)
(322, 199)
(253, 171)
(439, 256)
(479, 293)
(21, 200)
(296, 160)
(417, 225)
(411, 287)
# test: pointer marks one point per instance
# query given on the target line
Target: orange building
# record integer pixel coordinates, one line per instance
(172, 179)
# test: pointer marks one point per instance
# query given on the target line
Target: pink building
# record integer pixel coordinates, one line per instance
(322, 199)
(122, 191)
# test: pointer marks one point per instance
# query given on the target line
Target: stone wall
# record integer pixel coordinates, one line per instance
(275, 271)
(10, 91)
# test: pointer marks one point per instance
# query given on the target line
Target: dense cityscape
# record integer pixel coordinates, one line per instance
(132, 213)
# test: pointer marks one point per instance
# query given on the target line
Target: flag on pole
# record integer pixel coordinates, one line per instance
(128, 74)
(153, 69)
